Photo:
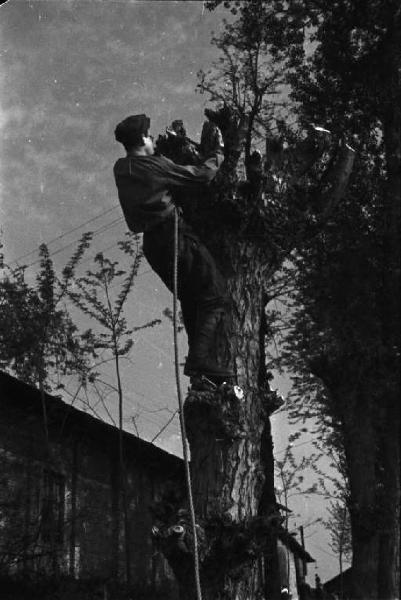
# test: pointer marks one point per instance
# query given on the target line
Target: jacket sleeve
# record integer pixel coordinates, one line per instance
(187, 176)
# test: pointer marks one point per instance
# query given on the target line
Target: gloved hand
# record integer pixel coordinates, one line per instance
(177, 129)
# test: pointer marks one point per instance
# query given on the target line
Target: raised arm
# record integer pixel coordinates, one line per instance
(199, 171)
(189, 176)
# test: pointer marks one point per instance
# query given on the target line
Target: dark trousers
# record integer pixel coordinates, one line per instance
(201, 287)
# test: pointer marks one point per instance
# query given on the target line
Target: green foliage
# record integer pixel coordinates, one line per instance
(339, 527)
(350, 65)
(39, 341)
(341, 317)
(247, 75)
(92, 293)
(291, 479)
(289, 169)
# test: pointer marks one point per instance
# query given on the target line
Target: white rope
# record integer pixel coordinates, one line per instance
(181, 412)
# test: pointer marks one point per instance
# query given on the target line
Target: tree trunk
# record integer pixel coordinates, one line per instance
(373, 463)
(389, 449)
(359, 444)
(389, 542)
(230, 442)
(231, 453)
(229, 433)
(340, 558)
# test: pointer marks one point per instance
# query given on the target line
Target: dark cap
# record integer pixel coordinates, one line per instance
(130, 131)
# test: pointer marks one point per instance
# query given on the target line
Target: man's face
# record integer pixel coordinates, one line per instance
(148, 144)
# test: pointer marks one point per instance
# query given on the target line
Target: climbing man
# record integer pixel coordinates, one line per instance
(146, 184)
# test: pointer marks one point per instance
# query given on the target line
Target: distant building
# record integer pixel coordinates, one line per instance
(61, 498)
(340, 585)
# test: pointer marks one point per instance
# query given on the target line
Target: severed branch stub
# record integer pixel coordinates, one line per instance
(175, 540)
(225, 546)
(231, 544)
(221, 411)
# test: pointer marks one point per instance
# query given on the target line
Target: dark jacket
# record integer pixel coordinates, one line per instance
(145, 185)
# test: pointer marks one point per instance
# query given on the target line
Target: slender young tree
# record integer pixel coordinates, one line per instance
(93, 294)
(339, 527)
(290, 478)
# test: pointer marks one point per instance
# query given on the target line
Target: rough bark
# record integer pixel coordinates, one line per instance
(389, 542)
(359, 437)
(389, 449)
(226, 440)
(389, 432)
(231, 452)
(373, 463)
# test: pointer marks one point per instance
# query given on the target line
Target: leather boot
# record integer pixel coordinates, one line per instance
(199, 361)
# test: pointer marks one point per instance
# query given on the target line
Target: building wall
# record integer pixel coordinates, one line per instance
(61, 500)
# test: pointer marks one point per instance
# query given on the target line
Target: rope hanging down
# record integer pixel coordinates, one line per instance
(181, 411)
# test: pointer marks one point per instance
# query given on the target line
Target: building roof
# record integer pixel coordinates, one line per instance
(340, 580)
(27, 399)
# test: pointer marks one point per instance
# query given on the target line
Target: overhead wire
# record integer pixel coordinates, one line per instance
(101, 229)
(65, 233)
(91, 220)
(98, 231)
(101, 214)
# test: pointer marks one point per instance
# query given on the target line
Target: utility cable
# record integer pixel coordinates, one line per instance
(65, 233)
(181, 411)
(101, 229)
(101, 214)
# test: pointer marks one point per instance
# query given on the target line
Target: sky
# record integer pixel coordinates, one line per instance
(70, 70)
